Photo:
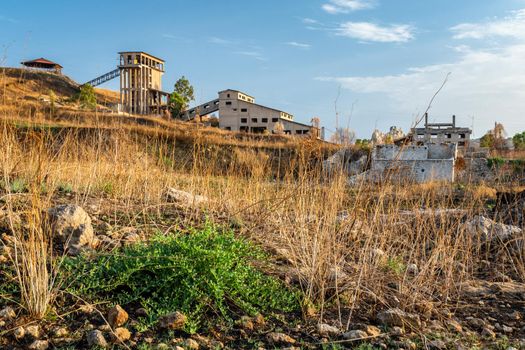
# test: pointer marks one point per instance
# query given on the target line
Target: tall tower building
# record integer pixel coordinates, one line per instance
(141, 83)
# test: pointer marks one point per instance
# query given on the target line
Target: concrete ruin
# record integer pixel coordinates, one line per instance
(440, 133)
(430, 162)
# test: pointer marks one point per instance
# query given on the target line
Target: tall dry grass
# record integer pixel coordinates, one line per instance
(352, 247)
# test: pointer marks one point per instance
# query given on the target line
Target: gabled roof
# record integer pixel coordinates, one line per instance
(42, 60)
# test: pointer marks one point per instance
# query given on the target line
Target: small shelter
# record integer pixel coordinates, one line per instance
(43, 64)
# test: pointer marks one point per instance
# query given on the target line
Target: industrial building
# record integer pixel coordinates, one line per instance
(239, 112)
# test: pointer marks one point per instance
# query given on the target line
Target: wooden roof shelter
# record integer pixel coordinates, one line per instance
(42, 63)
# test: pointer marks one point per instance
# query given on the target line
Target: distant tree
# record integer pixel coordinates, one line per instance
(343, 136)
(487, 140)
(519, 141)
(181, 97)
(52, 100)
(87, 97)
(495, 138)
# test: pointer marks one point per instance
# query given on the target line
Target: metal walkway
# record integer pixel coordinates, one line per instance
(103, 78)
(203, 109)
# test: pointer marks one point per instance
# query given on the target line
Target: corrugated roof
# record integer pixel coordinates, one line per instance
(42, 60)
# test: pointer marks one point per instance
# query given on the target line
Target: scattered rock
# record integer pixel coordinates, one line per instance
(259, 320)
(117, 316)
(96, 338)
(33, 331)
(396, 317)
(72, 225)
(61, 332)
(176, 320)
(507, 329)
(355, 334)
(246, 323)
(454, 325)
(326, 330)
(279, 338)
(19, 333)
(437, 344)
(488, 333)
(488, 230)
(191, 344)
(185, 199)
(412, 269)
(397, 331)
(121, 334)
(7, 313)
(131, 238)
(372, 331)
(39, 345)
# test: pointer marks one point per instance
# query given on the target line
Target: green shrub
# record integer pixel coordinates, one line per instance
(495, 162)
(18, 185)
(205, 273)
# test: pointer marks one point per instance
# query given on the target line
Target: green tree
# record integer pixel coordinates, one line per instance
(181, 97)
(487, 140)
(87, 97)
(519, 141)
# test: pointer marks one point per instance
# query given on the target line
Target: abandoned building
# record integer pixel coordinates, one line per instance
(43, 64)
(429, 162)
(140, 83)
(239, 112)
(441, 133)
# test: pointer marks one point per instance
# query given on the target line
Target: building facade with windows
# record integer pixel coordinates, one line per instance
(239, 112)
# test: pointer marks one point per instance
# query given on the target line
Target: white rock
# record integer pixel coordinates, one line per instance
(326, 330)
(185, 199)
(72, 225)
(39, 345)
(7, 313)
(355, 334)
(489, 230)
(96, 338)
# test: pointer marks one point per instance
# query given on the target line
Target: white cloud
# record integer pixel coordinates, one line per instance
(486, 84)
(367, 31)
(220, 41)
(512, 26)
(255, 54)
(310, 21)
(299, 45)
(345, 6)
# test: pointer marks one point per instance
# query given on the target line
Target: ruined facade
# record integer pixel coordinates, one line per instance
(441, 133)
(141, 83)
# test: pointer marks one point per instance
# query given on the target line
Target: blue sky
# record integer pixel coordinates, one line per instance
(387, 56)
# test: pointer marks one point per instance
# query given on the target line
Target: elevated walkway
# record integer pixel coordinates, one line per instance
(203, 109)
(104, 78)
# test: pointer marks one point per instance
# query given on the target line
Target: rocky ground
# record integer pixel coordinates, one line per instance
(488, 313)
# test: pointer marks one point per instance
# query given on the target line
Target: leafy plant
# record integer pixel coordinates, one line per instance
(181, 97)
(87, 97)
(202, 273)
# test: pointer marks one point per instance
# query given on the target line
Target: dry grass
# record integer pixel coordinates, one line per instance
(346, 246)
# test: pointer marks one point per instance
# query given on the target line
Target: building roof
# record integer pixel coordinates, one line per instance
(41, 61)
(142, 52)
(233, 90)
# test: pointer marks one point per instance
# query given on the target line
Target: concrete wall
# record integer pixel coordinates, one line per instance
(415, 163)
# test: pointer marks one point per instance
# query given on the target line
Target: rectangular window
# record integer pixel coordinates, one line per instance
(228, 103)
(228, 95)
(265, 120)
(275, 120)
(228, 128)
(463, 136)
(244, 110)
(298, 132)
(254, 120)
(244, 120)
(235, 109)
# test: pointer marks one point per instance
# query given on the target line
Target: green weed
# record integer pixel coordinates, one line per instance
(204, 273)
